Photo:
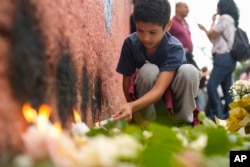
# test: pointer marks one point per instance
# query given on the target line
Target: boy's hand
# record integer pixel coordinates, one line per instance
(124, 113)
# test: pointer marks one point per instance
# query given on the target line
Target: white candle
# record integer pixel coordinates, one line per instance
(79, 129)
(104, 122)
(43, 124)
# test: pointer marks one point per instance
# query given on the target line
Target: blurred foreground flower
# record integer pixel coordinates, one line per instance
(98, 151)
(239, 113)
(47, 142)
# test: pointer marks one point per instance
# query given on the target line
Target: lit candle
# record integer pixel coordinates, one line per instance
(104, 122)
(41, 133)
(79, 128)
(40, 120)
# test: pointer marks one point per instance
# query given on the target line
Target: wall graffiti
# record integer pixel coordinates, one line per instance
(65, 86)
(27, 70)
(108, 6)
(85, 92)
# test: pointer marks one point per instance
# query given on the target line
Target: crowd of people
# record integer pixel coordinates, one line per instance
(157, 63)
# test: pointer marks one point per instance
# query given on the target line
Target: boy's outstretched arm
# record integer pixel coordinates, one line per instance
(162, 83)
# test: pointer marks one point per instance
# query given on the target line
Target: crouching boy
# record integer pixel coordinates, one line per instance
(157, 61)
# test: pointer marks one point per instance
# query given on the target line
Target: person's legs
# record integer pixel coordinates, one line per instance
(202, 99)
(185, 87)
(145, 79)
(221, 74)
(226, 84)
(212, 91)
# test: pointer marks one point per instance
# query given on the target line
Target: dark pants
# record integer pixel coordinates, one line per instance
(223, 67)
(190, 59)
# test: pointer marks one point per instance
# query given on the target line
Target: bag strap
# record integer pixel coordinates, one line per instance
(226, 38)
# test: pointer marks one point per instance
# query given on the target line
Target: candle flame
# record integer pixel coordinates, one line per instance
(77, 116)
(29, 113)
(41, 119)
(44, 111)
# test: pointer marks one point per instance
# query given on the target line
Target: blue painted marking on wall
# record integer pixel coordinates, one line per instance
(108, 6)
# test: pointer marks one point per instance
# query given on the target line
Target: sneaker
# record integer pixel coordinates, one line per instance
(220, 122)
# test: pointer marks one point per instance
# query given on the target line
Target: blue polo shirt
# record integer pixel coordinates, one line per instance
(169, 56)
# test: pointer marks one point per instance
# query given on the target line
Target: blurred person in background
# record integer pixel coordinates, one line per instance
(180, 29)
(202, 100)
(246, 74)
(223, 63)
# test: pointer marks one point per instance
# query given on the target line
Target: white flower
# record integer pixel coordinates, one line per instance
(100, 151)
(200, 143)
(35, 143)
(180, 136)
(23, 161)
(183, 139)
(239, 89)
(64, 153)
(147, 134)
(128, 146)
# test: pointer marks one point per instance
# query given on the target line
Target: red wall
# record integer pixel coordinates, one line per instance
(92, 35)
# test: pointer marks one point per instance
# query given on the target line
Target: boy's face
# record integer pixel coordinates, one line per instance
(150, 34)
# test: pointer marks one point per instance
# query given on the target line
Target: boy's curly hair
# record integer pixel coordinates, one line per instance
(153, 11)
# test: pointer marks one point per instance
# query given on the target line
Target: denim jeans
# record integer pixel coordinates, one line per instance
(202, 99)
(223, 67)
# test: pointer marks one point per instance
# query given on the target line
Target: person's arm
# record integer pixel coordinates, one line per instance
(162, 83)
(211, 33)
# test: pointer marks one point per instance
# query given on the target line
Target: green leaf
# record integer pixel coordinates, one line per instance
(217, 161)
(96, 131)
(218, 141)
(160, 147)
